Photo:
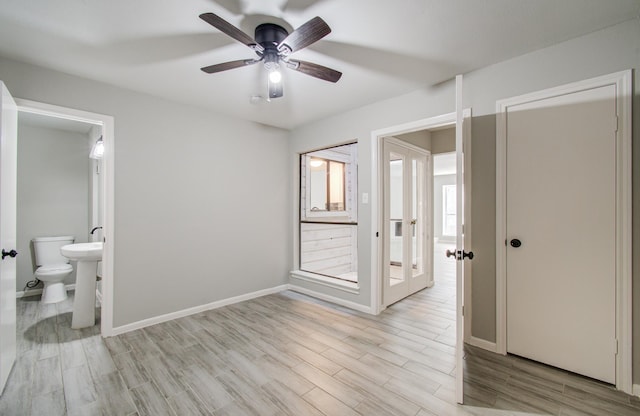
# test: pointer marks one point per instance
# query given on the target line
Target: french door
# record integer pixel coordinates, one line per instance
(407, 220)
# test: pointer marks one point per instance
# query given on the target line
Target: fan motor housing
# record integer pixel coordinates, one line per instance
(269, 35)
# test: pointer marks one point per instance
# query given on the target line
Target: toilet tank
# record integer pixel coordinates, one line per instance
(47, 249)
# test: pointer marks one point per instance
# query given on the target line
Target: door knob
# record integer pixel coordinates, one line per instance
(515, 243)
(460, 255)
(413, 221)
(11, 253)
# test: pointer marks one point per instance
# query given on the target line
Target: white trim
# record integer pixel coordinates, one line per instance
(483, 343)
(636, 390)
(108, 178)
(407, 145)
(35, 292)
(332, 299)
(334, 283)
(622, 81)
(196, 309)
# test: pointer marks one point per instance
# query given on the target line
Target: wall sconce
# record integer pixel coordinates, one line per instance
(97, 150)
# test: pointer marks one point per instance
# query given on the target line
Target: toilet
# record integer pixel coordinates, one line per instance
(53, 267)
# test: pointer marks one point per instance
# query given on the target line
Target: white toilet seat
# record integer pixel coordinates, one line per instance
(53, 270)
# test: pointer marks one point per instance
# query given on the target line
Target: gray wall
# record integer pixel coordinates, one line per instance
(603, 52)
(443, 141)
(201, 200)
(53, 191)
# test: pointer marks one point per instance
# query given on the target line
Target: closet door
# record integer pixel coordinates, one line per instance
(561, 231)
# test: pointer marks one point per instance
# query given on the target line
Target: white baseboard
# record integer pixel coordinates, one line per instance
(196, 309)
(484, 344)
(636, 390)
(36, 292)
(332, 299)
(345, 286)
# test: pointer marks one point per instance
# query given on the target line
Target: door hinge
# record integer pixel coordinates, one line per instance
(617, 123)
(615, 347)
(462, 310)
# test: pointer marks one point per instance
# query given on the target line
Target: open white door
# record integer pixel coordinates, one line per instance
(8, 177)
(460, 254)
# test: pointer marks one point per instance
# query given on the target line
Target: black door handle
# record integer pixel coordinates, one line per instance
(11, 253)
(515, 243)
(460, 255)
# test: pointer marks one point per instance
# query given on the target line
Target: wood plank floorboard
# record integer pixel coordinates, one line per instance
(286, 354)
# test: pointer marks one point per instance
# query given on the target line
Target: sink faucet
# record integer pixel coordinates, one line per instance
(95, 229)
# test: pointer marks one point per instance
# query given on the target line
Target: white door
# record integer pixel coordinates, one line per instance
(462, 137)
(8, 161)
(407, 220)
(561, 231)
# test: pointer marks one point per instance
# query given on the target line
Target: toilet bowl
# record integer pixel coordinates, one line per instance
(53, 267)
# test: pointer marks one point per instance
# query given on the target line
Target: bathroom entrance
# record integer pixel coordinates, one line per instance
(65, 189)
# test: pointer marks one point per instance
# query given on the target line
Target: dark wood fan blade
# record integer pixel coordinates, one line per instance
(315, 70)
(310, 32)
(275, 89)
(230, 30)
(211, 69)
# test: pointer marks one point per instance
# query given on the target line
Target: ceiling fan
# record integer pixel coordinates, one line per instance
(273, 45)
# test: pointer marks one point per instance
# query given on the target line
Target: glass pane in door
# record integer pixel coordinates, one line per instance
(417, 217)
(396, 218)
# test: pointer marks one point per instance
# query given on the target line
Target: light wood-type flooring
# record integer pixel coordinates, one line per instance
(285, 354)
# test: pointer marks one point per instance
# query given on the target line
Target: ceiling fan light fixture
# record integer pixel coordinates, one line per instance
(273, 44)
(275, 76)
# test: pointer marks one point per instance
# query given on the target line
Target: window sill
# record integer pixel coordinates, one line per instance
(343, 285)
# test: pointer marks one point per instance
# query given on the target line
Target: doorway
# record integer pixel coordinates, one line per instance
(103, 126)
(461, 121)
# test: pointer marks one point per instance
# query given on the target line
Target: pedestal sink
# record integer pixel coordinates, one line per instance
(84, 305)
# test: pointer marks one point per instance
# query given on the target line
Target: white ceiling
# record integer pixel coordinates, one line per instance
(384, 48)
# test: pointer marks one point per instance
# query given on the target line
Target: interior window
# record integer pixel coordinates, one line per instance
(328, 212)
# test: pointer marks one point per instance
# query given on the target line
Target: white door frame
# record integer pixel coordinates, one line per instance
(444, 120)
(622, 82)
(107, 123)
